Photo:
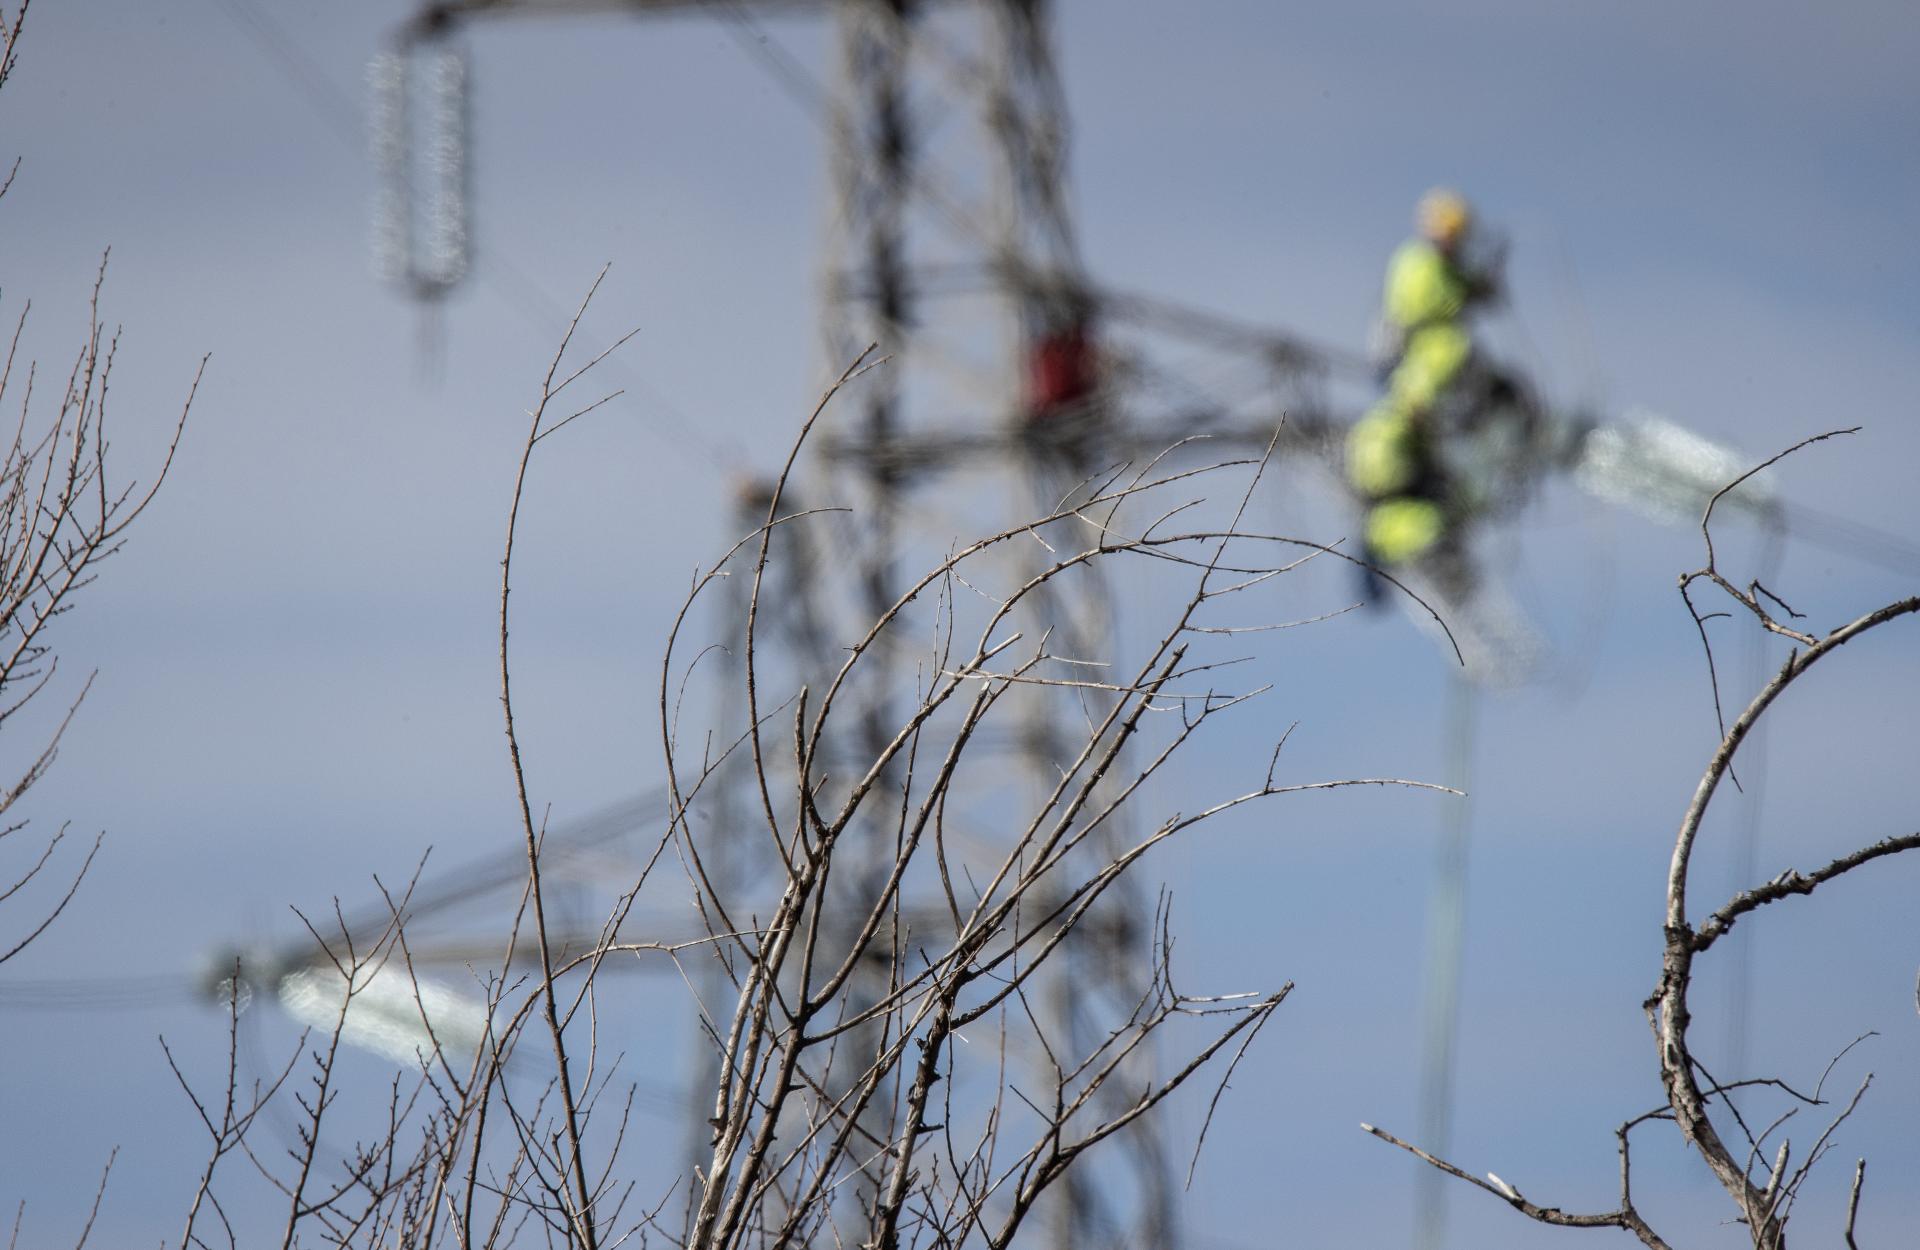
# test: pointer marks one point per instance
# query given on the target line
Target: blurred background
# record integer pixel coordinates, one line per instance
(1708, 216)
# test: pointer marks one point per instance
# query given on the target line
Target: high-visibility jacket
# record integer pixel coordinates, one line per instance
(1425, 301)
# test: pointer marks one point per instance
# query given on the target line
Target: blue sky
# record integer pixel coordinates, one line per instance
(1711, 214)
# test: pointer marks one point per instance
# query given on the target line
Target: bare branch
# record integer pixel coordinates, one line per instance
(1625, 1217)
(1790, 883)
(1853, 1202)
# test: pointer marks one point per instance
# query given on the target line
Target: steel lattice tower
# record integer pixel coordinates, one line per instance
(952, 248)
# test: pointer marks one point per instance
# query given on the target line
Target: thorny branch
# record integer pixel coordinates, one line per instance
(582, 1217)
(61, 516)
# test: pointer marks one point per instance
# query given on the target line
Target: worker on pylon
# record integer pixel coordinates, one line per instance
(1413, 512)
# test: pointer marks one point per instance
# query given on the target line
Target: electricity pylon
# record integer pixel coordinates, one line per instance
(953, 249)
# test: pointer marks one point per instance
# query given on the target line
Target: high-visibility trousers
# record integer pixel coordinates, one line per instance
(1400, 531)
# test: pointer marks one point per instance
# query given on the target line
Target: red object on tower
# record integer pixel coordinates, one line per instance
(1062, 370)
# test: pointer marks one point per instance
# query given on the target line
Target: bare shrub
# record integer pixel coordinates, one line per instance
(1743, 1148)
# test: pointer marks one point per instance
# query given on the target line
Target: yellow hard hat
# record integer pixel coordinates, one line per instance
(1443, 215)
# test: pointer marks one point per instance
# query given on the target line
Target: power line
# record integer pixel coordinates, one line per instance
(1843, 536)
(124, 993)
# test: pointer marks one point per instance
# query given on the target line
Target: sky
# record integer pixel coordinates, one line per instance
(1710, 214)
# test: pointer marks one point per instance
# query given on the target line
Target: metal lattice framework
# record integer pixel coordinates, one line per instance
(952, 248)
